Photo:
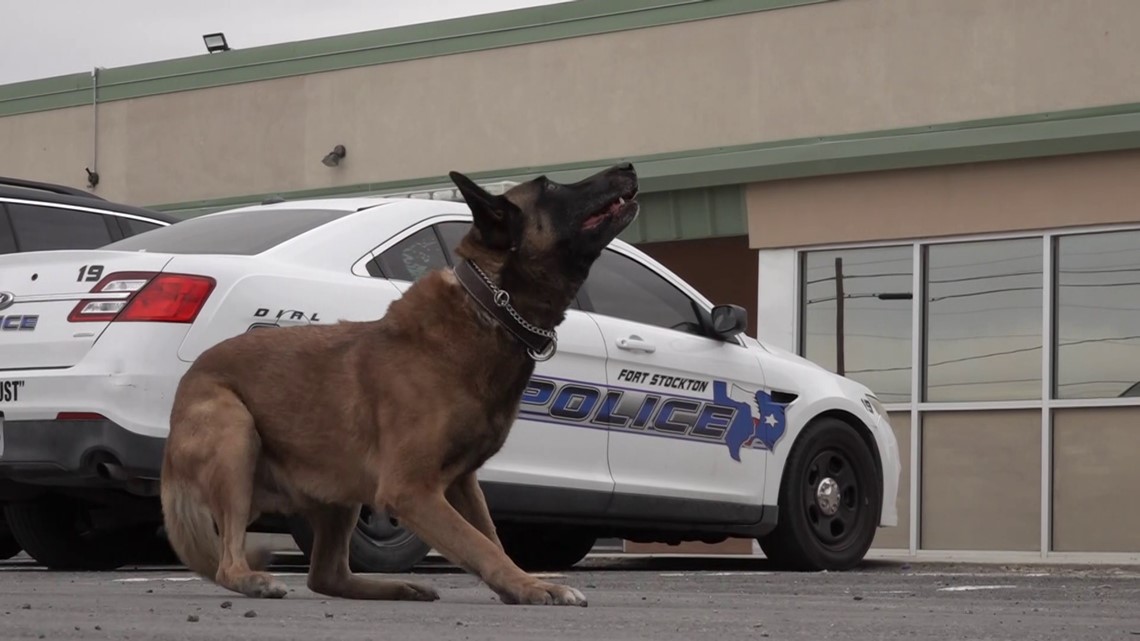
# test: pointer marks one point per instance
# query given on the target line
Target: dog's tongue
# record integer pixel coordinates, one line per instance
(596, 219)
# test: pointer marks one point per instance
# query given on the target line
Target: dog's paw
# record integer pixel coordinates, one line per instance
(259, 585)
(540, 593)
(419, 592)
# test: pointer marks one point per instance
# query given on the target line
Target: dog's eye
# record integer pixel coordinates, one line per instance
(551, 186)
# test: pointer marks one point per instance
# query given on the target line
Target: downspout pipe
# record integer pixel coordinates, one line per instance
(93, 170)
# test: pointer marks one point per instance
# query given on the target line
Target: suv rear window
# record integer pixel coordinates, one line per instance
(43, 227)
(7, 236)
(241, 233)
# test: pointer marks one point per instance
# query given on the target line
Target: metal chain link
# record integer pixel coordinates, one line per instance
(503, 299)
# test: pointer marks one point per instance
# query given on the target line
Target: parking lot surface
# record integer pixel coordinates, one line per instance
(629, 598)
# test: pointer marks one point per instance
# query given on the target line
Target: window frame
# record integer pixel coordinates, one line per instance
(916, 410)
(1049, 239)
(1052, 373)
(801, 297)
(924, 302)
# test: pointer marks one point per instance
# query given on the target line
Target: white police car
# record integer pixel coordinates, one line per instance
(646, 424)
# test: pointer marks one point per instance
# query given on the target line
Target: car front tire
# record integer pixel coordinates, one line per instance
(545, 548)
(377, 544)
(829, 502)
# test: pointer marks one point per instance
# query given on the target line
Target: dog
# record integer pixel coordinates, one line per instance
(318, 420)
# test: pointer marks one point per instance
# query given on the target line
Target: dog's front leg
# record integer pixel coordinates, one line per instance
(467, 498)
(329, 573)
(427, 513)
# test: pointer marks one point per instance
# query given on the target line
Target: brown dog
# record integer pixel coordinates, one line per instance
(252, 433)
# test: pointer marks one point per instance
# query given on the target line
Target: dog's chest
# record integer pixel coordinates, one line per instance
(481, 440)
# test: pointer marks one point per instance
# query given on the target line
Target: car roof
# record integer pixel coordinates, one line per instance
(63, 195)
(341, 203)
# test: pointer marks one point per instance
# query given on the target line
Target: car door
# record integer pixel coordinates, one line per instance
(549, 446)
(682, 409)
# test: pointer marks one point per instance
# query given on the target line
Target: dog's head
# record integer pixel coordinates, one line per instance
(549, 230)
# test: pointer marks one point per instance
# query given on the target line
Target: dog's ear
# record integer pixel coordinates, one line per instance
(498, 220)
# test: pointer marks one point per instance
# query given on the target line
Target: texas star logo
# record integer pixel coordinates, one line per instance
(747, 428)
(733, 418)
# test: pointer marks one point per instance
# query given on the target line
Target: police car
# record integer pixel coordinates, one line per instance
(645, 425)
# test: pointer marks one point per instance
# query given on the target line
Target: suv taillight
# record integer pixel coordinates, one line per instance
(146, 297)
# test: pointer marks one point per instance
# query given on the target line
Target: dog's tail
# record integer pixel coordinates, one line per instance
(193, 535)
(190, 529)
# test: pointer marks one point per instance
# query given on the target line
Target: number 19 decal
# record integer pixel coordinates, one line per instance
(90, 273)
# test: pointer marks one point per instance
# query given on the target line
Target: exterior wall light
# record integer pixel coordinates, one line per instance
(216, 42)
(333, 158)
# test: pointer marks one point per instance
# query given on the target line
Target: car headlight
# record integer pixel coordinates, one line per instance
(874, 406)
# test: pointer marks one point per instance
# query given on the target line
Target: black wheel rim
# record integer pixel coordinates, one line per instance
(833, 497)
(379, 527)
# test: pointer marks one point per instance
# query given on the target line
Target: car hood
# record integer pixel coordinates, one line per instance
(797, 366)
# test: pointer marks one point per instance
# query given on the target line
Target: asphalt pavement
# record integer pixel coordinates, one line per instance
(654, 599)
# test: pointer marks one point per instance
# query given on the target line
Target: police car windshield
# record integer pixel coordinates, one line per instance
(240, 233)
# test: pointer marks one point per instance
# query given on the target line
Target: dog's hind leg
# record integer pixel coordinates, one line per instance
(236, 448)
(329, 573)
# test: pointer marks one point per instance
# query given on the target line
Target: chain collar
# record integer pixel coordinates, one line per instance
(541, 343)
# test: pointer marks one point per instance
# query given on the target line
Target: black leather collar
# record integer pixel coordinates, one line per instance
(540, 343)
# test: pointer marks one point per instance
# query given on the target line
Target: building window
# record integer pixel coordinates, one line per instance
(983, 321)
(1097, 326)
(856, 316)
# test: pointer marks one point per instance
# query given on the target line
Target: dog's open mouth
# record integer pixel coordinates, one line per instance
(613, 209)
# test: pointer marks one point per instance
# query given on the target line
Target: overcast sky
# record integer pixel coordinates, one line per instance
(53, 37)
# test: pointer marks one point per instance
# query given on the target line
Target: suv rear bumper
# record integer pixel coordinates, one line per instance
(83, 453)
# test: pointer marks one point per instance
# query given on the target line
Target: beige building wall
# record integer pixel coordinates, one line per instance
(832, 68)
(48, 145)
(1094, 474)
(1016, 195)
(981, 480)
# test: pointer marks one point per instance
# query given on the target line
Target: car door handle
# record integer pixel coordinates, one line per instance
(635, 344)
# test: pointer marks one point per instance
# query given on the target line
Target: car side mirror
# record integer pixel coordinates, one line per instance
(729, 320)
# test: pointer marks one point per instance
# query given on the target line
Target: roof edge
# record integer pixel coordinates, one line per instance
(1087, 130)
(528, 25)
